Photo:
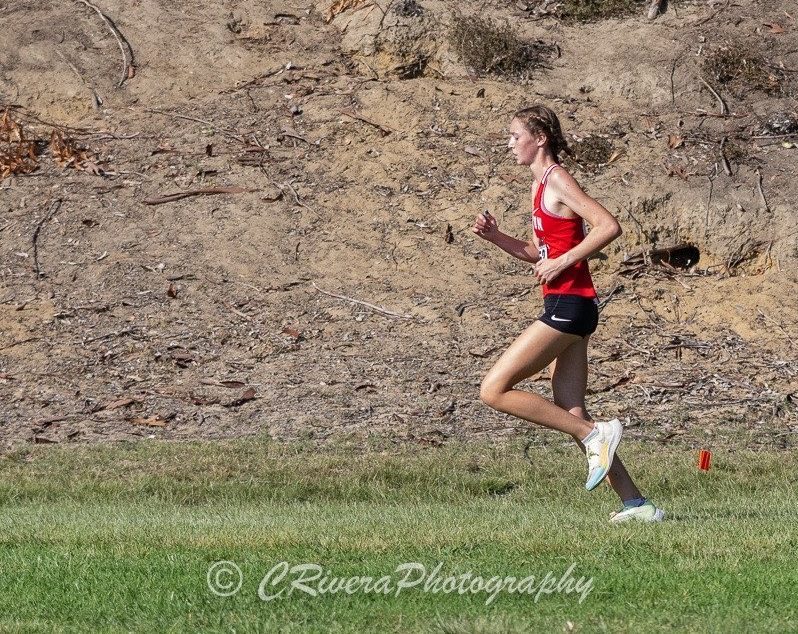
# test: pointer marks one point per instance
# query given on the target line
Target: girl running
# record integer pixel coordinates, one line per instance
(559, 338)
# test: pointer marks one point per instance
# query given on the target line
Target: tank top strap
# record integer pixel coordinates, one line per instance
(548, 171)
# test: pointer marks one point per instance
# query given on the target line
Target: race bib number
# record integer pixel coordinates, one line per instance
(543, 251)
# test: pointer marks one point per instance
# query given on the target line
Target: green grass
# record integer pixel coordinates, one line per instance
(120, 538)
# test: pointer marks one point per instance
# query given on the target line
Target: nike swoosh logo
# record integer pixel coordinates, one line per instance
(558, 319)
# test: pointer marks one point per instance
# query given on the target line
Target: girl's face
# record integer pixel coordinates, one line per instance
(524, 144)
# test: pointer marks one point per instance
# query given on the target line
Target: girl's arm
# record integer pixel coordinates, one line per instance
(521, 249)
(486, 227)
(604, 228)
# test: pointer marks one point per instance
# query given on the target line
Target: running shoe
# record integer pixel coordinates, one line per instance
(601, 450)
(646, 512)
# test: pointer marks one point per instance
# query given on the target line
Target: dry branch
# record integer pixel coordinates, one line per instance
(724, 109)
(53, 208)
(128, 71)
(351, 113)
(208, 191)
(225, 131)
(296, 197)
(96, 101)
(379, 309)
(256, 80)
(761, 191)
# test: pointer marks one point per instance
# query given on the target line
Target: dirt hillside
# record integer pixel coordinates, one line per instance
(354, 147)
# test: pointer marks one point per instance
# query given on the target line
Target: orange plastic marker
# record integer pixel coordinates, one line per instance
(704, 457)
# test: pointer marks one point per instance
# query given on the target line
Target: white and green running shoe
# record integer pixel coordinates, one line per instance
(600, 450)
(646, 512)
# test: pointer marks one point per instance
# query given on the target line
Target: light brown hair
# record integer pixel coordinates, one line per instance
(542, 119)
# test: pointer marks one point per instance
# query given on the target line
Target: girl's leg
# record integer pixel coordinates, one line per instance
(569, 383)
(534, 349)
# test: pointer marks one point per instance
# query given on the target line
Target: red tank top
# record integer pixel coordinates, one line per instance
(557, 235)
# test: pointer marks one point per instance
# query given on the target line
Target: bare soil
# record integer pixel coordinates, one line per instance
(361, 157)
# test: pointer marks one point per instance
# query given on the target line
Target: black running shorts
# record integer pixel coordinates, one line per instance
(571, 314)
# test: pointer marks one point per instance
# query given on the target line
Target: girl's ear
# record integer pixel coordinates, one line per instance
(542, 139)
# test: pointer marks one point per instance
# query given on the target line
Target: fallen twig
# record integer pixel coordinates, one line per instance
(775, 136)
(711, 16)
(237, 312)
(641, 350)
(208, 191)
(53, 208)
(615, 289)
(296, 197)
(350, 113)
(22, 111)
(119, 333)
(227, 132)
(379, 309)
(252, 82)
(286, 133)
(384, 13)
(673, 70)
(761, 191)
(724, 161)
(711, 179)
(128, 70)
(724, 109)
(96, 101)
(20, 342)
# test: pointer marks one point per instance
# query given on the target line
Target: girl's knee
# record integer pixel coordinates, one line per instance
(490, 392)
(488, 395)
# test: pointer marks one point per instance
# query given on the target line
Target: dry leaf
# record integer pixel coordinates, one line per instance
(67, 153)
(92, 167)
(675, 141)
(232, 384)
(614, 157)
(199, 400)
(483, 352)
(676, 170)
(339, 6)
(292, 332)
(248, 395)
(122, 402)
(775, 28)
(17, 156)
(181, 358)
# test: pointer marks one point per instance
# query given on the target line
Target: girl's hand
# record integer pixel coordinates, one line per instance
(485, 226)
(547, 270)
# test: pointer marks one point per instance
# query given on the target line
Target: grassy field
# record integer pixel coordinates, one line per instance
(121, 538)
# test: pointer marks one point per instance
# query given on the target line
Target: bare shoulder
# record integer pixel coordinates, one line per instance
(562, 180)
